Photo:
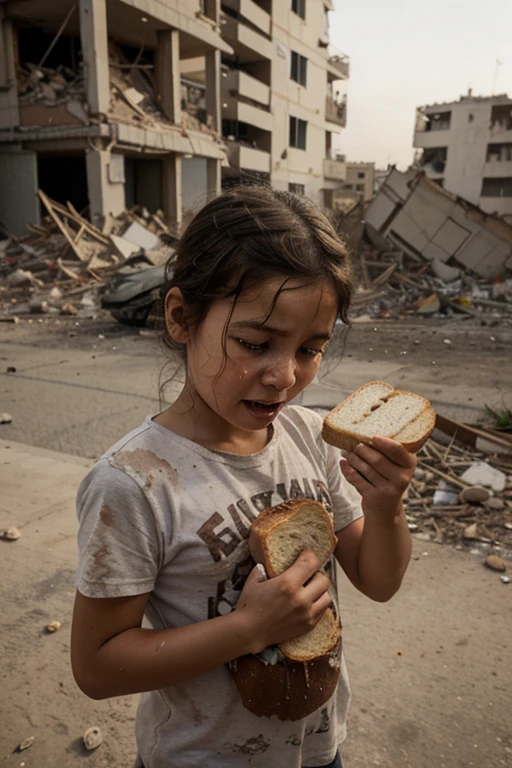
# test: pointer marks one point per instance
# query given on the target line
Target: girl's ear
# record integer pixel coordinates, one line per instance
(175, 316)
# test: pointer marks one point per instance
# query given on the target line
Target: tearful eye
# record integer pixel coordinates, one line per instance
(252, 347)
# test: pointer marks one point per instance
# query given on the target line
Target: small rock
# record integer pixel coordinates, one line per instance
(474, 495)
(10, 534)
(496, 563)
(53, 626)
(505, 579)
(481, 473)
(412, 526)
(11, 369)
(5, 418)
(55, 293)
(36, 306)
(19, 278)
(495, 505)
(26, 743)
(471, 532)
(92, 737)
(447, 341)
(68, 309)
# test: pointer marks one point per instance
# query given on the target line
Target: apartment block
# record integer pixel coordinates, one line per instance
(359, 184)
(282, 95)
(467, 148)
(94, 110)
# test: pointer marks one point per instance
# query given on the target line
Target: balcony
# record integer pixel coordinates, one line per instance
(248, 44)
(335, 170)
(234, 109)
(496, 169)
(336, 110)
(250, 11)
(339, 64)
(242, 157)
(236, 84)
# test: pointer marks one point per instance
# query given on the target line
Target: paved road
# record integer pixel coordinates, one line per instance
(77, 389)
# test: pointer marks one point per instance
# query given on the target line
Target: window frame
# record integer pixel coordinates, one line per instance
(298, 129)
(293, 187)
(299, 8)
(299, 63)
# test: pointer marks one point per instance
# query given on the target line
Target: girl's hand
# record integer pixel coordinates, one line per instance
(381, 473)
(286, 606)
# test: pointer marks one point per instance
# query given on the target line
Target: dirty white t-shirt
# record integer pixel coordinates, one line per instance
(160, 514)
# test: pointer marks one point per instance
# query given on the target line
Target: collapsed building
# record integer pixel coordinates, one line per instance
(94, 111)
(414, 214)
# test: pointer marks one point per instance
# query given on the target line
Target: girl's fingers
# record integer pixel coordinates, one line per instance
(394, 451)
(354, 478)
(320, 606)
(365, 468)
(317, 587)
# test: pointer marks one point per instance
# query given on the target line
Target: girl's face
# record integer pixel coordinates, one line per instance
(245, 385)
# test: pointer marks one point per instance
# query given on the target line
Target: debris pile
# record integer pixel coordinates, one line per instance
(63, 264)
(391, 285)
(49, 86)
(133, 94)
(461, 493)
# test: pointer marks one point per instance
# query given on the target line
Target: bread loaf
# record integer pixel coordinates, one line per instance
(306, 674)
(379, 409)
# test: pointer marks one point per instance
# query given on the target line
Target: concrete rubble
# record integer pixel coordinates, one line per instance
(62, 265)
(391, 285)
(133, 96)
(446, 502)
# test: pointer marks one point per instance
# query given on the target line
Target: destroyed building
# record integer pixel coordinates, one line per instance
(93, 109)
(466, 147)
(414, 214)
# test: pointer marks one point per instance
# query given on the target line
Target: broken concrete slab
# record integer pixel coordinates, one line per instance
(444, 272)
(480, 473)
(76, 108)
(142, 237)
(123, 247)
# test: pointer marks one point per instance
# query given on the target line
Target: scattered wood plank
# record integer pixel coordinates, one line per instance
(48, 205)
(366, 275)
(383, 279)
(469, 435)
(69, 272)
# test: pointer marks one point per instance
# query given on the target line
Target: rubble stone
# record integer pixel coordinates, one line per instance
(496, 563)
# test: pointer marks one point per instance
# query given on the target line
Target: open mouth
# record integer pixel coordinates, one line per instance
(263, 411)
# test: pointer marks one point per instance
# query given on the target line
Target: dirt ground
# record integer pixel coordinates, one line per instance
(431, 670)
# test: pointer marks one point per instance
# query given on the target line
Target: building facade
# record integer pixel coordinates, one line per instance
(359, 185)
(94, 112)
(467, 148)
(281, 95)
(107, 104)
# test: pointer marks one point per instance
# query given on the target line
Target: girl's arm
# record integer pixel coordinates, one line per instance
(112, 655)
(374, 550)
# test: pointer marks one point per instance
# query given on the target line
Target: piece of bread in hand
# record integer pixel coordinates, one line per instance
(379, 409)
(306, 674)
(278, 536)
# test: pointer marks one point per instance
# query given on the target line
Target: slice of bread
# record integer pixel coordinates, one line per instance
(379, 409)
(307, 674)
(278, 536)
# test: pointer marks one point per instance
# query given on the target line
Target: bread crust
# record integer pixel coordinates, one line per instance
(347, 440)
(275, 516)
(291, 690)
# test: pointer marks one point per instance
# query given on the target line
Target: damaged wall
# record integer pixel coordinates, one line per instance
(419, 217)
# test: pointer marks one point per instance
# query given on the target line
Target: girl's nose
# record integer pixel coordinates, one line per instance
(280, 374)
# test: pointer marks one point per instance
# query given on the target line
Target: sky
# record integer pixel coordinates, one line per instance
(406, 53)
